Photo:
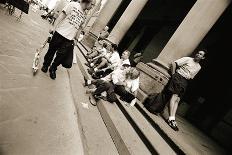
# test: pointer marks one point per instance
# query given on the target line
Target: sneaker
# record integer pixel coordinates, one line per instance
(86, 82)
(92, 100)
(133, 102)
(52, 74)
(44, 69)
(173, 125)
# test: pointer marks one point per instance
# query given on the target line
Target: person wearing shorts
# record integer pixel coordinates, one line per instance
(183, 70)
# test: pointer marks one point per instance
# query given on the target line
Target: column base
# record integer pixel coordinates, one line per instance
(153, 78)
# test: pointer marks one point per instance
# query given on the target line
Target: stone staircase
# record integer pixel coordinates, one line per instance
(134, 130)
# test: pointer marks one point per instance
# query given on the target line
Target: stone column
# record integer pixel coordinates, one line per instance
(193, 29)
(104, 16)
(126, 20)
(197, 23)
(91, 13)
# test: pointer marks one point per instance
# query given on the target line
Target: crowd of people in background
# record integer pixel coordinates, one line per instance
(111, 73)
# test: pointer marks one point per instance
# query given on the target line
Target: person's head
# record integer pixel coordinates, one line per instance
(114, 47)
(125, 67)
(82, 32)
(104, 45)
(106, 28)
(134, 73)
(200, 55)
(125, 55)
(87, 4)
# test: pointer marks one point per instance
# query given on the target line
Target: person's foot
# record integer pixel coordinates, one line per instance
(52, 73)
(86, 82)
(44, 69)
(90, 71)
(94, 76)
(133, 102)
(92, 100)
(87, 64)
(173, 125)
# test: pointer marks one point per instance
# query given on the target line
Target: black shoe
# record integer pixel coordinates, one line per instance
(173, 125)
(93, 100)
(44, 69)
(87, 64)
(52, 73)
(90, 71)
(86, 82)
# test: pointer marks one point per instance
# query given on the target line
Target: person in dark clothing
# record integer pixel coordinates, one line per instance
(65, 29)
(108, 84)
(182, 70)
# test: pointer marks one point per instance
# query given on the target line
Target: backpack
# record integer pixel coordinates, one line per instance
(156, 102)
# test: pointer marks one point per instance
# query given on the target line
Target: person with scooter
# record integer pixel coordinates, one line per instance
(65, 30)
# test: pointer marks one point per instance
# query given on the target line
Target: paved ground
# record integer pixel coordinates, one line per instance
(37, 114)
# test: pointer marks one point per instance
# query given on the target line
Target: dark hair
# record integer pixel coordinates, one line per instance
(99, 39)
(126, 65)
(205, 50)
(114, 46)
(104, 45)
(86, 1)
(83, 32)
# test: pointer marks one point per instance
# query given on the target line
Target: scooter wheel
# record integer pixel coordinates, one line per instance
(34, 71)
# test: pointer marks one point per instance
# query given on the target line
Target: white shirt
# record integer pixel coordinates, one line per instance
(69, 27)
(115, 59)
(127, 61)
(132, 85)
(116, 76)
(188, 68)
(122, 62)
(80, 37)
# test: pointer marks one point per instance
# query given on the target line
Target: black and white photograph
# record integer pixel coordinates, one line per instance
(115, 77)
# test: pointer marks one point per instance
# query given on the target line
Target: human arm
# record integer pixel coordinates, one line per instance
(66, 10)
(97, 57)
(173, 67)
(60, 18)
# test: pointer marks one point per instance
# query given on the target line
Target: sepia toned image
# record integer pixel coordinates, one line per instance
(115, 77)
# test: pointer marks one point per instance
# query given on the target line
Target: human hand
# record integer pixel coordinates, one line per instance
(52, 30)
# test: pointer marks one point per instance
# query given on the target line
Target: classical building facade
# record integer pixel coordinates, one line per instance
(167, 30)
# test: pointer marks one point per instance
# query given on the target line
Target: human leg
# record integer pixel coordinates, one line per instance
(124, 94)
(54, 45)
(102, 64)
(174, 101)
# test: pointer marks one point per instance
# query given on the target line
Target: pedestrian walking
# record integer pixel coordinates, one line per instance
(66, 28)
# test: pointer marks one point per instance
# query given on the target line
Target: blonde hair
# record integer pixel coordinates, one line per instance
(133, 73)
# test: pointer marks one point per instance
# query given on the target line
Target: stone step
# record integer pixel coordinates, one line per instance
(189, 140)
(164, 130)
(95, 136)
(150, 136)
(122, 133)
(143, 127)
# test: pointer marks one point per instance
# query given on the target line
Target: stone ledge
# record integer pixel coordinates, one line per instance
(88, 117)
(122, 133)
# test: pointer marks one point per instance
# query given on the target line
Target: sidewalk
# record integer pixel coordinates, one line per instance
(37, 114)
